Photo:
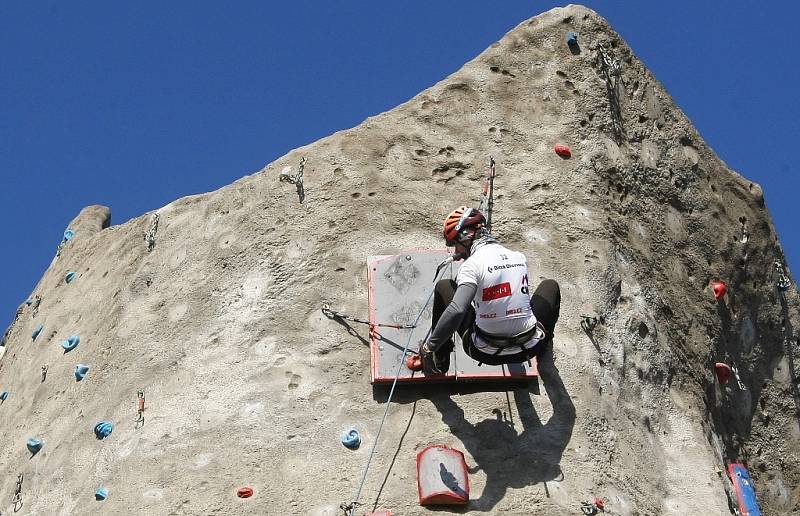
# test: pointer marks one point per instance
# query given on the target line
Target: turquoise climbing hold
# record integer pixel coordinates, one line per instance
(34, 445)
(101, 494)
(70, 276)
(36, 332)
(29, 301)
(71, 343)
(80, 371)
(572, 38)
(68, 234)
(351, 439)
(3, 395)
(103, 429)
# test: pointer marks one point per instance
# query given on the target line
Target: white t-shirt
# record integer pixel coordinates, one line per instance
(502, 302)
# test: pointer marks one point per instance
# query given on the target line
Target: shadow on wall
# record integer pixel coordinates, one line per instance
(508, 456)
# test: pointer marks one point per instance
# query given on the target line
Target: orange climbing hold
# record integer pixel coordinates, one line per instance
(414, 362)
(720, 289)
(723, 372)
(244, 492)
(563, 151)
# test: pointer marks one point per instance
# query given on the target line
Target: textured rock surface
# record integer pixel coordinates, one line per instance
(248, 384)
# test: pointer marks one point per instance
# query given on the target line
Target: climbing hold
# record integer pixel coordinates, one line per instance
(414, 362)
(70, 276)
(723, 372)
(101, 494)
(572, 39)
(80, 371)
(68, 234)
(563, 151)
(37, 331)
(744, 488)
(103, 429)
(70, 343)
(351, 439)
(3, 395)
(34, 445)
(244, 492)
(442, 476)
(29, 301)
(720, 289)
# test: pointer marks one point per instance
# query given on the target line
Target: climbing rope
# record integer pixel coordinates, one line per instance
(296, 179)
(612, 71)
(17, 500)
(349, 509)
(150, 236)
(333, 314)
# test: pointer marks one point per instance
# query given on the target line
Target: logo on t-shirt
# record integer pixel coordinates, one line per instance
(497, 291)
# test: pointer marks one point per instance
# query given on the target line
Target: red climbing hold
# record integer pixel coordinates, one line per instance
(723, 372)
(600, 504)
(563, 151)
(414, 362)
(244, 492)
(720, 289)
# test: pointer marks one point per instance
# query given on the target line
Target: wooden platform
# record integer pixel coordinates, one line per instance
(400, 287)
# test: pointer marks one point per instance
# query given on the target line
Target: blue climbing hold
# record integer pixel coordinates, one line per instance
(29, 301)
(3, 395)
(70, 276)
(351, 439)
(572, 38)
(103, 429)
(71, 343)
(101, 494)
(68, 234)
(80, 371)
(34, 445)
(37, 331)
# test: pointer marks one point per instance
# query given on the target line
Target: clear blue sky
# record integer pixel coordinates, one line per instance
(135, 104)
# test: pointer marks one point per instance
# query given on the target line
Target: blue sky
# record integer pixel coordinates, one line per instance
(135, 104)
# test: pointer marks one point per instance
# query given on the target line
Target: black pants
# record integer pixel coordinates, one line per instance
(545, 304)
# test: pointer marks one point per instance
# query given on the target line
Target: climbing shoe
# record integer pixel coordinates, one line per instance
(435, 363)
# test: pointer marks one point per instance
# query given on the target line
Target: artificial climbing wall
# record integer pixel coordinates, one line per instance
(217, 320)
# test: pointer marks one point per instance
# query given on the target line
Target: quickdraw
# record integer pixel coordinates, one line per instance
(37, 300)
(487, 196)
(150, 236)
(783, 280)
(738, 379)
(17, 500)
(589, 323)
(333, 314)
(296, 179)
(44, 372)
(612, 71)
(139, 409)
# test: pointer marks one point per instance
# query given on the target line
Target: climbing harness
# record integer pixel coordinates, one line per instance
(333, 314)
(612, 71)
(44, 372)
(783, 280)
(296, 179)
(487, 196)
(350, 509)
(150, 236)
(139, 409)
(17, 500)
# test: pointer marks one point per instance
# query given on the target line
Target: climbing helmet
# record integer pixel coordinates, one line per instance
(461, 223)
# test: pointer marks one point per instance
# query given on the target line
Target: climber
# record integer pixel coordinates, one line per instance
(488, 304)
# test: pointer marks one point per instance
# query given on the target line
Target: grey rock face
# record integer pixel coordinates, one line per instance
(247, 383)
